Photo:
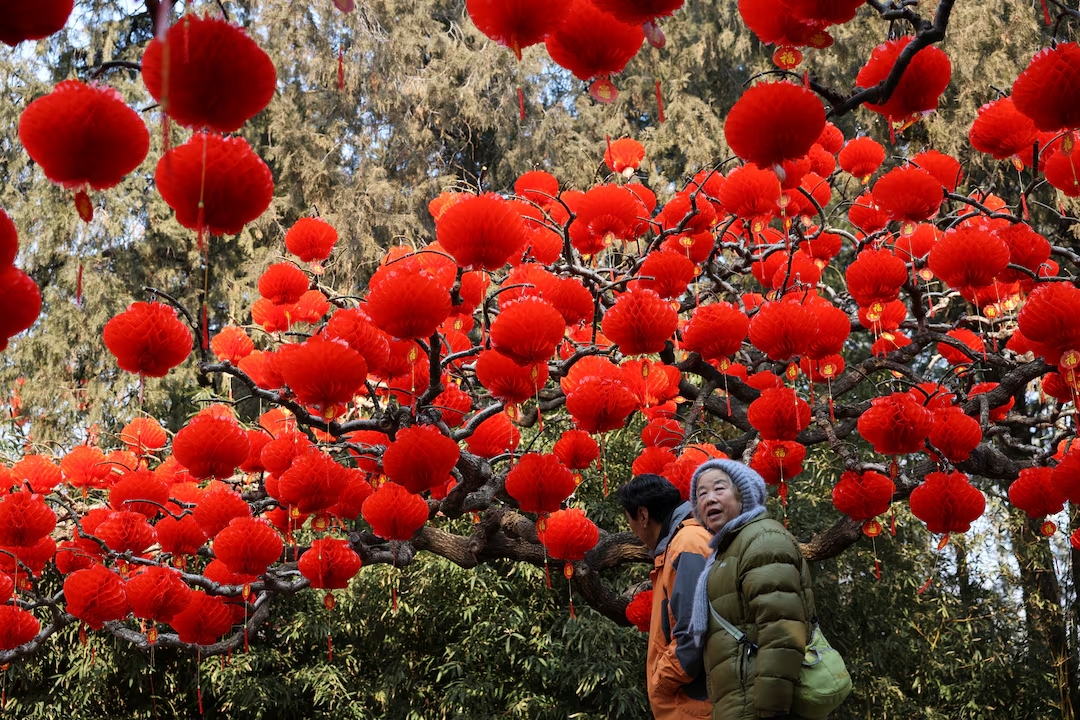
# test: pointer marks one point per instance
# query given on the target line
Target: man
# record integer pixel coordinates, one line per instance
(679, 546)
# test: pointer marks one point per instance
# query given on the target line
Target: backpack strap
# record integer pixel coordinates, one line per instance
(739, 635)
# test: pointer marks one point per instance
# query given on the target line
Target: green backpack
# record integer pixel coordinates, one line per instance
(824, 681)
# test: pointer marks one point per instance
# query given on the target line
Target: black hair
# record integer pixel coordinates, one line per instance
(653, 492)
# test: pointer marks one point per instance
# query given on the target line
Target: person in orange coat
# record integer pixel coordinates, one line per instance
(679, 546)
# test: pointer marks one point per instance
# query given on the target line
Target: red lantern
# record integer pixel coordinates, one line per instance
(494, 436)
(600, 404)
(944, 168)
(394, 513)
(605, 214)
(232, 345)
(215, 184)
(968, 256)
(1048, 319)
(211, 447)
(1001, 131)
(20, 303)
(20, 21)
(865, 214)
(96, 596)
(148, 338)
(779, 414)
(716, 331)
(922, 83)
(278, 454)
(207, 73)
(1042, 92)
(454, 404)
(998, 412)
(528, 331)
(774, 121)
(507, 380)
(329, 564)
(667, 272)
(85, 467)
(639, 610)
(652, 460)
(428, 306)
(539, 483)
(283, 283)
(876, 276)
(640, 322)
(652, 383)
(864, 496)
(125, 531)
(538, 187)
(420, 458)
(833, 328)
(139, 491)
(1034, 492)
(481, 232)
(24, 519)
(218, 507)
(947, 502)
(895, 424)
(1027, 249)
(909, 195)
(38, 473)
(157, 594)
(568, 534)
(84, 135)
(693, 215)
(777, 461)
(517, 24)
(311, 239)
(248, 546)
(204, 621)
(576, 449)
(314, 482)
(955, 434)
(623, 156)
(17, 626)
(324, 374)
(861, 157)
(591, 43)
(752, 194)
(663, 432)
(180, 536)
(783, 330)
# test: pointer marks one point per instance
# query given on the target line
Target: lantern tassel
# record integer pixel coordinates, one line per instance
(660, 100)
(521, 103)
(78, 286)
(340, 69)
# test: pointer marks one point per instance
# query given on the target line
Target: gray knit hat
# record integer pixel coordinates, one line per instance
(750, 484)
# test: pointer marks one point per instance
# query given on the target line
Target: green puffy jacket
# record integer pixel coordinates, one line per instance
(761, 584)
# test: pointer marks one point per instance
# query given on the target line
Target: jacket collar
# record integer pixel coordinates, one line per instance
(670, 527)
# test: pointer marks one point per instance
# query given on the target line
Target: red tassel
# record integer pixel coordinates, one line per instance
(925, 585)
(198, 694)
(340, 69)
(78, 286)
(83, 206)
(660, 102)
(393, 596)
(329, 648)
(521, 103)
(877, 569)
(1046, 12)
(205, 328)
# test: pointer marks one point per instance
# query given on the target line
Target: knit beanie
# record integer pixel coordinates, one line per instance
(751, 487)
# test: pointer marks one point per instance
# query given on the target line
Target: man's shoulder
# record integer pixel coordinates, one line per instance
(691, 537)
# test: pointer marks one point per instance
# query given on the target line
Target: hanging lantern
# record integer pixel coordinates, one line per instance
(777, 461)
(311, 239)
(955, 434)
(204, 621)
(864, 496)
(211, 447)
(639, 610)
(394, 513)
(84, 136)
(420, 458)
(313, 483)
(865, 214)
(968, 257)
(909, 195)
(600, 404)
(1001, 131)
(662, 432)
(779, 414)
(248, 546)
(352, 497)
(604, 215)
(180, 536)
(325, 374)
(37, 472)
(232, 344)
(283, 283)
(568, 535)
(507, 380)
(218, 507)
(95, 595)
(624, 156)
(651, 383)
(20, 22)
(517, 24)
(538, 187)
(943, 168)
(1048, 320)
(157, 594)
(895, 424)
(494, 436)
(539, 483)
(640, 322)
(666, 272)
(528, 331)
(481, 232)
(1034, 492)
(875, 276)
(453, 403)
(20, 303)
(207, 73)
(125, 531)
(591, 43)
(24, 519)
(139, 491)
(774, 121)
(1027, 248)
(652, 460)
(214, 184)
(329, 564)
(1044, 90)
(148, 338)
(17, 626)
(277, 456)
(783, 330)
(85, 467)
(716, 331)
(947, 503)
(921, 85)
(861, 157)
(692, 215)
(576, 449)
(428, 306)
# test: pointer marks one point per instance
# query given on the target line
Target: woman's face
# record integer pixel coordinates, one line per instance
(717, 500)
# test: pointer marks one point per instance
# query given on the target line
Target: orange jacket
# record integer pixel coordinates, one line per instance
(675, 681)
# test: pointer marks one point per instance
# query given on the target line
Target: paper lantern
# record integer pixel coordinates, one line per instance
(95, 595)
(783, 330)
(214, 184)
(716, 331)
(277, 456)
(143, 436)
(148, 338)
(568, 534)
(779, 414)
(600, 404)
(909, 195)
(24, 519)
(311, 239)
(752, 194)
(539, 483)
(139, 491)
(17, 626)
(38, 473)
(218, 507)
(651, 383)
(624, 156)
(968, 256)
(283, 283)
(528, 331)
(428, 306)
(1035, 493)
(774, 121)
(863, 496)
(1049, 319)
(352, 497)
(211, 447)
(394, 513)
(576, 449)
(85, 467)
(538, 187)
(922, 83)
(1001, 131)
(861, 157)
(1027, 249)
(481, 232)
(652, 460)
(329, 564)
(947, 502)
(126, 531)
(667, 273)
(688, 213)
(454, 404)
(955, 434)
(494, 436)
(517, 24)
(777, 461)
(875, 276)
(204, 621)
(248, 546)
(895, 424)
(507, 380)
(157, 594)
(84, 135)
(313, 482)
(420, 458)
(207, 73)
(591, 43)
(640, 322)
(1044, 91)
(606, 214)
(21, 21)
(20, 303)
(639, 610)
(180, 536)
(324, 374)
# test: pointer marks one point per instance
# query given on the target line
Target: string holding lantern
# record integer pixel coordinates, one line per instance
(947, 503)
(568, 535)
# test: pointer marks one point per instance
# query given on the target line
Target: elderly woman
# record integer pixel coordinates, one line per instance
(758, 581)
